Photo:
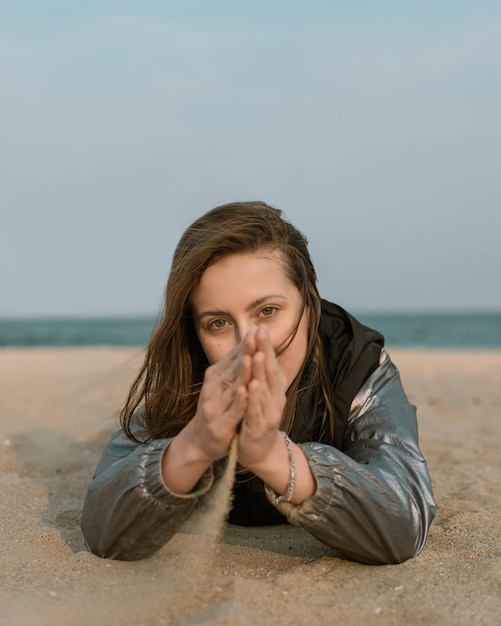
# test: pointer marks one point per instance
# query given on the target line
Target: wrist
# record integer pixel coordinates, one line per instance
(275, 469)
(288, 495)
(183, 464)
(273, 460)
(186, 442)
(294, 482)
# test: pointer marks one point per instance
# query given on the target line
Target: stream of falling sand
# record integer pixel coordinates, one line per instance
(207, 524)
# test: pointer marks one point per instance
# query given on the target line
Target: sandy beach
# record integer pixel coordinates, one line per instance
(58, 408)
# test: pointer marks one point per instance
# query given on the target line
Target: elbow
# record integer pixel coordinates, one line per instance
(98, 531)
(404, 544)
(120, 548)
(117, 551)
(408, 534)
(405, 531)
(407, 546)
(91, 536)
(385, 534)
(398, 538)
(111, 535)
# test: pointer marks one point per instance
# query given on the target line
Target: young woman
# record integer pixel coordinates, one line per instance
(247, 349)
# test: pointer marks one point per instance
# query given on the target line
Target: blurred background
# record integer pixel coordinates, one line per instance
(376, 127)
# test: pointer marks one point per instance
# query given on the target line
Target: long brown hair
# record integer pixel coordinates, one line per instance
(169, 381)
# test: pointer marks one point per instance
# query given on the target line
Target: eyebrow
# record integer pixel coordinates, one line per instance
(253, 305)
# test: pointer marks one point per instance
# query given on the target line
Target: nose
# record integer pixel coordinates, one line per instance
(242, 328)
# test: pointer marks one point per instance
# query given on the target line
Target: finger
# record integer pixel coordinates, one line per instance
(234, 370)
(249, 342)
(230, 360)
(259, 367)
(273, 372)
(222, 411)
(232, 377)
(225, 371)
(238, 406)
(257, 387)
(235, 394)
(228, 366)
(245, 370)
(254, 409)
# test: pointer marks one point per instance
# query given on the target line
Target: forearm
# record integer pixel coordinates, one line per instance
(129, 512)
(374, 501)
(375, 512)
(183, 464)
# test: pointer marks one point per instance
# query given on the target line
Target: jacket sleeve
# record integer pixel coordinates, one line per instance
(374, 501)
(128, 511)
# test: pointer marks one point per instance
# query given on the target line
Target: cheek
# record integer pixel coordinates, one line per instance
(214, 350)
(292, 359)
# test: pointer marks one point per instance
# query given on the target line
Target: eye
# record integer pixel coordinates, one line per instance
(268, 311)
(216, 324)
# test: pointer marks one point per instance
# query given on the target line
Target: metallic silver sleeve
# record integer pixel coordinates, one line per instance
(129, 512)
(374, 501)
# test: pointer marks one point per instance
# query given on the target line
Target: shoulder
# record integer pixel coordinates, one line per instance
(344, 338)
(352, 353)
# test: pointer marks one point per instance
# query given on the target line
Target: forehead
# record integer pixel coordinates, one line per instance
(241, 276)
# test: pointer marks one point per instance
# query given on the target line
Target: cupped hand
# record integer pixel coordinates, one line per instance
(222, 402)
(259, 434)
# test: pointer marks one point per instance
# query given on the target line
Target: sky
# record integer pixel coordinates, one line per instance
(374, 126)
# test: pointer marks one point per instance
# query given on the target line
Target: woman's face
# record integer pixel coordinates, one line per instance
(243, 291)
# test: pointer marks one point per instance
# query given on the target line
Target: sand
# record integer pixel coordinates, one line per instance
(57, 410)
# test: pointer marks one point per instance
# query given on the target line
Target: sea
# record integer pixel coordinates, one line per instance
(424, 330)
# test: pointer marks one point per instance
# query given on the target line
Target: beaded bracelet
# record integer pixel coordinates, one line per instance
(289, 492)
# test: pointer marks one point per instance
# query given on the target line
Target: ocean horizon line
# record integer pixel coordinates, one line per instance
(353, 311)
(479, 329)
